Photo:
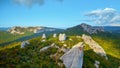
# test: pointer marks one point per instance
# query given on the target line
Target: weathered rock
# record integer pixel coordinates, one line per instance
(96, 64)
(94, 45)
(16, 30)
(54, 35)
(74, 57)
(62, 37)
(91, 29)
(52, 45)
(24, 43)
(43, 36)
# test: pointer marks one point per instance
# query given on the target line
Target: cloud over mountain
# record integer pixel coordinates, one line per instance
(104, 16)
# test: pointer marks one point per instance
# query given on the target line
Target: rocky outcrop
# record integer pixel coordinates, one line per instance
(52, 45)
(43, 36)
(94, 45)
(22, 30)
(24, 43)
(74, 57)
(54, 35)
(16, 30)
(62, 37)
(91, 29)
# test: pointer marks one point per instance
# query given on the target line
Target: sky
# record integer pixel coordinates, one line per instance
(59, 13)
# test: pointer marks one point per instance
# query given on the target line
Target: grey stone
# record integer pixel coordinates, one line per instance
(23, 44)
(94, 45)
(62, 37)
(74, 57)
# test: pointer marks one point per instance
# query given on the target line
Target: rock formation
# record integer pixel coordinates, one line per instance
(62, 37)
(94, 45)
(16, 30)
(91, 29)
(74, 57)
(22, 30)
(54, 35)
(43, 36)
(52, 45)
(24, 43)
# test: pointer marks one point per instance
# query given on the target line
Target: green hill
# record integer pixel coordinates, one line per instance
(7, 36)
(31, 57)
(13, 56)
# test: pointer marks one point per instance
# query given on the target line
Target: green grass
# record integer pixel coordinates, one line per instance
(12, 56)
(110, 43)
(7, 37)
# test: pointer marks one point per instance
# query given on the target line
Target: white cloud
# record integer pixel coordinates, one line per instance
(30, 3)
(104, 16)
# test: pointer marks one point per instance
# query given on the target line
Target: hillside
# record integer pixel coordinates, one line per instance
(83, 28)
(30, 56)
(15, 34)
(7, 36)
(39, 51)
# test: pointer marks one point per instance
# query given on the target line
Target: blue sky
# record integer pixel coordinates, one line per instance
(53, 13)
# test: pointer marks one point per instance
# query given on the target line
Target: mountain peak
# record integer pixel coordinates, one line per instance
(83, 27)
(84, 24)
(91, 29)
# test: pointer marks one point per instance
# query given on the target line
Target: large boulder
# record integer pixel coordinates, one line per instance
(54, 35)
(62, 37)
(43, 36)
(74, 57)
(94, 45)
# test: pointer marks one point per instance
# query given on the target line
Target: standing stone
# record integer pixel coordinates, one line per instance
(74, 57)
(43, 36)
(62, 37)
(54, 35)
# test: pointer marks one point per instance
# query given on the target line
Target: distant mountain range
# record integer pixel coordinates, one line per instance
(4, 28)
(18, 33)
(88, 29)
(114, 29)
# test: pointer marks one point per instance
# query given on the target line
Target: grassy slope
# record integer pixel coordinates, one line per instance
(14, 56)
(7, 37)
(111, 43)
